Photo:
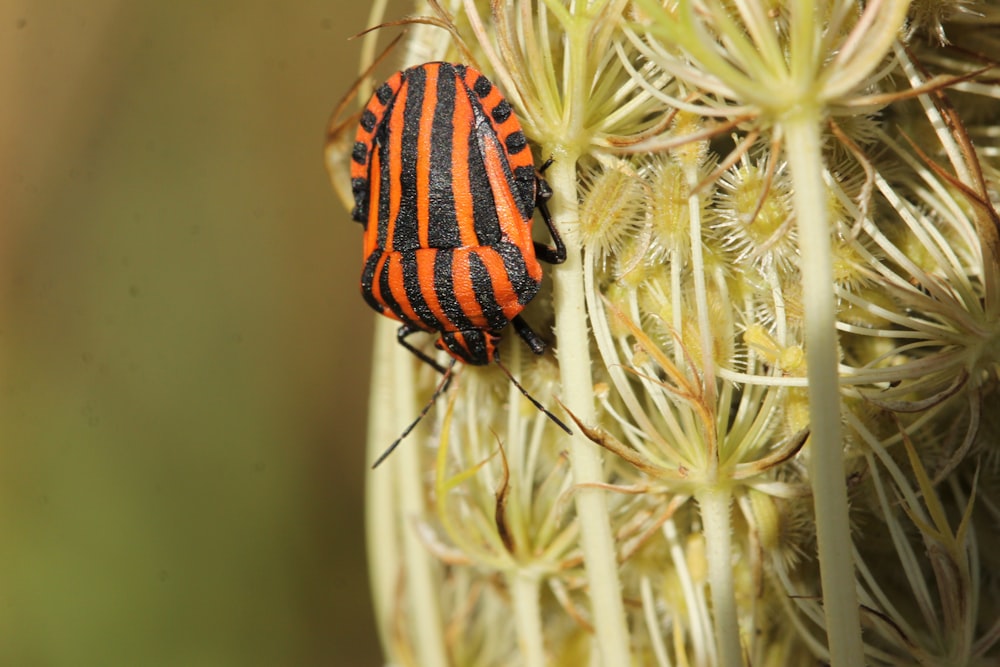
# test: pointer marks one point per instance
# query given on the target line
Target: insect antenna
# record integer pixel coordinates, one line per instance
(441, 388)
(531, 398)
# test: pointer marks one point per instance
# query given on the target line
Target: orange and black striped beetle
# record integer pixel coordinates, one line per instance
(445, 186)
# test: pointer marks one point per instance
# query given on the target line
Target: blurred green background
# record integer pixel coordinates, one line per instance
(183, 350)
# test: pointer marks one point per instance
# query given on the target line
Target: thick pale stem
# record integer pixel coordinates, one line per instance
(714, 504)
(578, 395)
(528, 617)
(399, 481)
(369, 44)
(383, 544)
(826, 459)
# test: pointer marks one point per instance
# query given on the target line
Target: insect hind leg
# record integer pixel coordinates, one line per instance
(401, 335)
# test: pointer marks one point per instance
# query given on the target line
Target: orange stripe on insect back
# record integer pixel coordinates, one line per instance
(376, 288)
(503, 290)
(531, 264)
(490, 100)
(465, 293)
(370, 241)
(398, 288)
(424, 154)
(425, 274)
(512, 225)
(462, 123)
(395, 164)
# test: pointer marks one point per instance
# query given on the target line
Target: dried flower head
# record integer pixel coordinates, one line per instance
(777, 333)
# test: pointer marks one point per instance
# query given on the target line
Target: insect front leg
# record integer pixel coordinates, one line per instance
(555, 254)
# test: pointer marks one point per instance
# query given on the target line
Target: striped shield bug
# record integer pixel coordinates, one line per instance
(446, 188)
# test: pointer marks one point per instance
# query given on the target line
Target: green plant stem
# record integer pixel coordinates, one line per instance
(578, 395)
(523, 586)
(714, 504)
(826, 459)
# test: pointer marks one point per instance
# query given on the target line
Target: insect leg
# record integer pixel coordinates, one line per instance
(554, 254)
(401, 335)
(533, 340)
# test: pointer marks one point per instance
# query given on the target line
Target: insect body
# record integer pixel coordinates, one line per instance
(445, 186)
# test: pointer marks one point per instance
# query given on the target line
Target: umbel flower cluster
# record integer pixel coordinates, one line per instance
(776, 335)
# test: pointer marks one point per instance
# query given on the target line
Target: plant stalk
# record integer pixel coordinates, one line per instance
(524, 591)
(394, 402)
(826, 457)
(578, 395)
(714, 504)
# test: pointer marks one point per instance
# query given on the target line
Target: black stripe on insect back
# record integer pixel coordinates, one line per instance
(405, 233)
(444, 288)
(516, 142)
(474, 346)
(482, 286)
(484, 208)
(482, 86)
(517, 272)
(443, 229)
(368, 120)
(475, 343)
(501, 112)
(359, 187)
(382, 142)
(388, 296)
(414, 291)
(385, 93)
(525, 191)
(368, 279)
(359, 153)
